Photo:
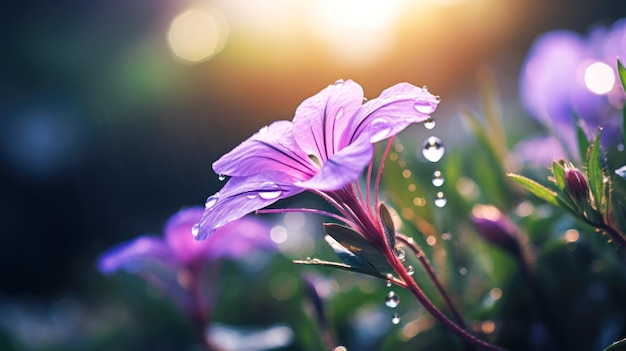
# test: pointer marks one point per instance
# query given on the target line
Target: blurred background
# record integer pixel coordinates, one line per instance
(111, 113)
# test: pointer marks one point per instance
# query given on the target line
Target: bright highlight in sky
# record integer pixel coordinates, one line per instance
(599, 78)
(196, 35)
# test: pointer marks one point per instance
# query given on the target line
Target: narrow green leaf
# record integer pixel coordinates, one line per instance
(594, 171)
(559, 174)
(537, 189)
(357, 244)
(622, 73)
(388, 227)
(617, 346)
(581, 137)
(342, 266)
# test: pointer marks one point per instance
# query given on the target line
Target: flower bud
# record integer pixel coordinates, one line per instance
(496, 228)
(576, 184)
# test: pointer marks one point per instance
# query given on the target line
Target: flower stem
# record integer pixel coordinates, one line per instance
(430, 307)
(410, 243)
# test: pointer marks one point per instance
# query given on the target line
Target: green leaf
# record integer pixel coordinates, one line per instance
(539, 190)
(594, 172)
(337, 265)
(357, 244)
(388, 226)
(559, 174)
(581, 136)
(617, 346)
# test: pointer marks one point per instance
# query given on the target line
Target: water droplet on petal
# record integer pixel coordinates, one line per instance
(410, 270)
(364, 99)
(432, 149)
(379, 129)
(424, 106)
(425, 89)
(195, 229)
(269, 191)
(429, 123)
(440, 200)
(264, 129)
(438, 179)
(395, 319)
(392, 300)
(339, 113)
(251, 196)
(221, 177)
(338, 82)
(211, 201)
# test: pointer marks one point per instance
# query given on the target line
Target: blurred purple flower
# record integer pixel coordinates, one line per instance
(323, 149)
(496, 228)
(565, 74)
(177, 264)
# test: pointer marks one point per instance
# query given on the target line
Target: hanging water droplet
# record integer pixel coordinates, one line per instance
(338, 82)
(438, 179)
(269, 191)
(400, 254)
(195, 229)
(339, 113)
(211, 201)
(432, 149)
(388, 283)
(440, 200)
(392, 300)
(620, 147)
(389, 279)
(395, 319)
(429, 123)
(379, 130)
(221, 177)
(264, 129)
(410, 270)
(424, 106)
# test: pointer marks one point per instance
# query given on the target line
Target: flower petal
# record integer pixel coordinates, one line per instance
(136, 255)
(342, 168)
(243, 195)
(395, 109)
(178, 235)
(320, 120)
(239, 238)
(271, 148)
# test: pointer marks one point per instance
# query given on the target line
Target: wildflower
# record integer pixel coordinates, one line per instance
(566, 75)
(176, 264)
(576, 184)
(323, 149)
(496, 228)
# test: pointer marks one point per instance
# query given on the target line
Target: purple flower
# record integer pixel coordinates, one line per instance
(496, 228)
(566, 74)
(323, 149)
(176, 263)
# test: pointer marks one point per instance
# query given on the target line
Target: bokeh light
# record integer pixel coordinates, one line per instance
(599, 78)
(196, 35)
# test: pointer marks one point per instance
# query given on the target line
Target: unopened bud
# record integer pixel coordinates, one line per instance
(576, 184)
(496, 228)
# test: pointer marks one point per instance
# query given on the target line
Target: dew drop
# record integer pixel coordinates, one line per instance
(429, 123)
(433, 149)
(446, 236)
(438, 179)
(269, 191)
(440, 201)
(424, 106)
(400, 254)
(211, 201)
(463, 270)
(339, 113)
(425, 89)
(364, 99)
(379, 130)
(389, 279)
(388, 283)
(195, 229)
(338, 82)
(395, 319)
(264, 129)
(392, 300)
(620, 147)
(221, 177)
(251, 196)
(410, 270)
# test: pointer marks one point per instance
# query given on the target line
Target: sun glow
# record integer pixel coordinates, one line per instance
(196, 35)
(599, 78)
